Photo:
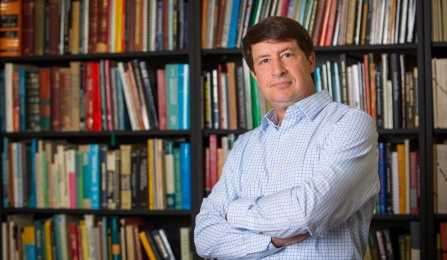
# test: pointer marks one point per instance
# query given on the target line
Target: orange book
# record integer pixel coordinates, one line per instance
(11, 28)
(331, 23)
(325, 23)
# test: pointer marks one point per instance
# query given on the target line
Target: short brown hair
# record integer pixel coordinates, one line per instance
(276, 28)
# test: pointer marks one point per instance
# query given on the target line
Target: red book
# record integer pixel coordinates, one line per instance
(55, 99)
(28, 27)
(327, 8)
(54, 27)
(103, 26)
(213, 160)
(161, 95)
(96, 98)
(414, 177)
(331, 23)
(93, 25)
(65, 99)
(316, 32)
(108, 91)
(73, 245)
(45, 99)
(284, 8)
(131, 28)
(443, 231)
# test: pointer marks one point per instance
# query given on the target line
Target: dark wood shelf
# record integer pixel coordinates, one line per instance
(119, 212)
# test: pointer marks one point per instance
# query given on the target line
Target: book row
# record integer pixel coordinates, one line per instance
(385, 86)
(329, 22)
(64, 236)
(394, 243)
(398, 170)
(57, 174)
(439, 87)
(231, 99)
(94, 96)
(60, 27)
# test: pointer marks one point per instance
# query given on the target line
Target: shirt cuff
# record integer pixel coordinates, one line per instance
(237, 210)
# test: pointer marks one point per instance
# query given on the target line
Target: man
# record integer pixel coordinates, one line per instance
(303, 184)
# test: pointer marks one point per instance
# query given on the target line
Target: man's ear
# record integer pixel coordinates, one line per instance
(253, 74)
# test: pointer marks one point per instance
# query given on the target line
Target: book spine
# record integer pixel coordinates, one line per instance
(185, 175)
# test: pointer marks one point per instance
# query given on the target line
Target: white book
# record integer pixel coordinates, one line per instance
(223, 101)
(386, 29)
(152, 25)
(90, 225)
(125, 82)
(145, 26)
(389, 105)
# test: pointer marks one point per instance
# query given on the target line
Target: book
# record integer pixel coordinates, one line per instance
(185, 175)
(11, 28)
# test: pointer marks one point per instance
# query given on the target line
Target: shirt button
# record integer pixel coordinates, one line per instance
(275, 172)
(283, 137)
(239, 222)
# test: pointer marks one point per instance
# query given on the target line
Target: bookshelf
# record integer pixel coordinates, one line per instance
(206, 59)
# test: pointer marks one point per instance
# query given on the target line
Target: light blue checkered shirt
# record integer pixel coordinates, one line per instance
(315, 173)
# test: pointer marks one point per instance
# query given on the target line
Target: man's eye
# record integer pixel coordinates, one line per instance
(287, 55)
(264, 61)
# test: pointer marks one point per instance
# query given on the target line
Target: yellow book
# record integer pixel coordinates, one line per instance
(126, 195)
(402, 178)
(84, 239)
(150, 172)
(147, 246)
(48, 244)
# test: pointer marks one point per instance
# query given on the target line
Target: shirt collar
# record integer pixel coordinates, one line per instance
(309, 106)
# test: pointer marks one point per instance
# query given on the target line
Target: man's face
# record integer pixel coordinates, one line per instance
(283, 72)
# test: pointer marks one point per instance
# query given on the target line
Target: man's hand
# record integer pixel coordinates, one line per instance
(280, 242)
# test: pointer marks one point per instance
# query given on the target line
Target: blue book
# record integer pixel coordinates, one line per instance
(19, 176)
(382, 178)
(185, 174)
(172, 94)
(32, 196)
(39, 235)
(159, 25)
(5, 171)
(22, 99)
(233, 24)
(2, 101)
(95, 180)
(183, 97)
